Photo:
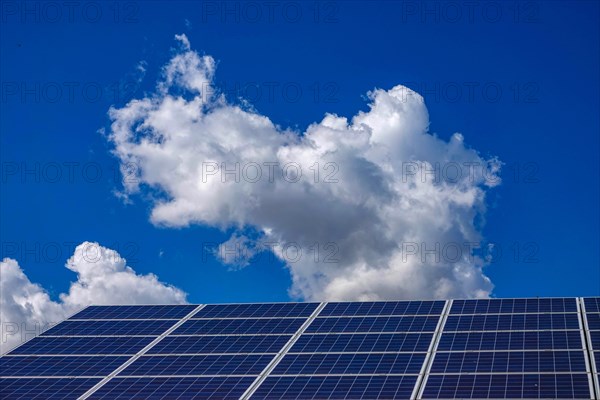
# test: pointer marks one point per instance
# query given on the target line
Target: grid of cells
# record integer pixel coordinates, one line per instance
(592, 315)
(360, 350)
(510, 348)
(487, 349)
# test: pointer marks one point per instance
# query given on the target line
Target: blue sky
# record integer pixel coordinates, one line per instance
(519, 81)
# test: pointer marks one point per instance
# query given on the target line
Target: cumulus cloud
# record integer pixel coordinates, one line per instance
(103, 277)
(392, 210)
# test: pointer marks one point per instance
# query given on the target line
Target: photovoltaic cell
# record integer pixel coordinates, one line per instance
(520, 340)
(357, 342)
(83, 345)
(513, 306)
(340, 364)
(59, 365)
(507, 322)
(44, 388)
(509, 361)
(595, 336)
(106, 328)
(593, 321)
(592, 304)
(383, 308)
(373, 324)
(336, 387)
(135, 312)
(257, 310)
(222, 388)
(515, 386)
(220, 344)
(239, 326)
(198, 365)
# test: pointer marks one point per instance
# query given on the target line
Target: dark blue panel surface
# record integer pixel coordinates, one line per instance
(105, 328)
(340, 364)
(383, 308)
(593, 321)
(592, 304)
(83, 345)
(59, 365)
(533, 386)
(257, 310)
(595, 336)
(135, 312)
(198, 365)
(510, 361)
(510, 306)
(523, 340)
(239, 326)
(336, 387)
(373, 324)
(371, 342)
(221, 388)
(505, 322)
(220, 344)
(44, 388)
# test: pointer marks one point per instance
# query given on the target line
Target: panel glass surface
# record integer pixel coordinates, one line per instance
(595, 337)
(239, 326)
(592, 304)
(336, 387)
(512, 386)
(506, 322)
(83, 345)
(513, 306)
(509, 361)
(220, 344)
(340, 364)
(383, 308)
(44, 388)
(198, 365)
(593, 321)
(135, 312)
(59, 365)
(222, 388)
(256, 310)
(107, 328)
(373, 324)
(358, 342)
(520, 340)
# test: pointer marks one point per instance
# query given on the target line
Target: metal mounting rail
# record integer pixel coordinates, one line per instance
(590, 362)
(140, 353)
(265, 372)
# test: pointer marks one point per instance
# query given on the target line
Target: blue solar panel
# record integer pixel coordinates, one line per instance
(513, 306)
(523, 340)
(135, 312)
(44, 388)
(83, 345)
(509, 361)
(198, 365)
(592, 304)
(239, 326)
(336, 387)
(373, 324)
(593, 321)
(383, 308)
(220, 344)
(507, 322)
(595, 337)
(341, 364)
(59, 365)
(106, 328)
(221, 388)
(257, 310)
(514, 386)
(359, 342)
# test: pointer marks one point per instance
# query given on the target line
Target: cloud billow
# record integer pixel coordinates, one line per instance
(380, 188)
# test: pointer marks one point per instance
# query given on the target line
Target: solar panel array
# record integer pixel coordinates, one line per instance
(485, 349)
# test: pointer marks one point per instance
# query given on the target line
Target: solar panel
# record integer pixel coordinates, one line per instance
(487, 349)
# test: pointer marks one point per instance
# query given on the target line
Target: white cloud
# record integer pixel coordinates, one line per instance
(373, 200)
(102, 278)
